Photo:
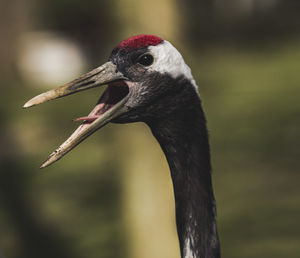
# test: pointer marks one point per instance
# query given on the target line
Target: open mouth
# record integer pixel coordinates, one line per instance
(110, 105)
(114, 93)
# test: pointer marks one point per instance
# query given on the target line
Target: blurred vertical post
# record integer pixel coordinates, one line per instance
(148, 201)
(161, 18)
(14, 19)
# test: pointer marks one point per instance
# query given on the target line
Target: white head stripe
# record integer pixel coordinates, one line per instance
(167, 59)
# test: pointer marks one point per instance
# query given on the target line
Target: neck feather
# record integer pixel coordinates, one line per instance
(184, 140)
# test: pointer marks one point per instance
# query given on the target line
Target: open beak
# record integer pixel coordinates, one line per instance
(110, 105)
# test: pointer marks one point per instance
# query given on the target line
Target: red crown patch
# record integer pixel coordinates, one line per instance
(140, 41)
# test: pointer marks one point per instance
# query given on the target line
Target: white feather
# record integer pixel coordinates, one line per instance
(167, 59)
(188, 253)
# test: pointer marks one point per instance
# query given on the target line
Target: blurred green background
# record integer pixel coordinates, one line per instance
(112, 196)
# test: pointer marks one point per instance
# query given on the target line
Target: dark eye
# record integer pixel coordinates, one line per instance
(145, 60)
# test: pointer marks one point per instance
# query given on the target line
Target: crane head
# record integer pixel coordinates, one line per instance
(142, 72)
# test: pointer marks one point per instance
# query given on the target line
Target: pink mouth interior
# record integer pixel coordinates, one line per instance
(114, 93)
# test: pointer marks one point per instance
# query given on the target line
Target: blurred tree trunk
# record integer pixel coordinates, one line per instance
(14, 19)
(148, 199)
(161, 18)
(148, 196)
(31, 238)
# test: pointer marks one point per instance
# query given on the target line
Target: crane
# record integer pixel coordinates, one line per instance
(149, 81)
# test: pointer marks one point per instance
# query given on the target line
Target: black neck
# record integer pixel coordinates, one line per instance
(184, 140)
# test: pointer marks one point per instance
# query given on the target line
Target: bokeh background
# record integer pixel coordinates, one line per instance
(112, 196)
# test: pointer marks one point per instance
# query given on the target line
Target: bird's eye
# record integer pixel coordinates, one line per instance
(145, 60)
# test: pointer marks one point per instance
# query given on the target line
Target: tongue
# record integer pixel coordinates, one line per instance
(89, 119)
(93, 115)
(109, 98)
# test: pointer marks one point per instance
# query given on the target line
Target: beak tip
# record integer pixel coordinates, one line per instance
(43, 166)
(46, 164)
(53, 157)
(35, 100)
(41, 98)
(27, 104)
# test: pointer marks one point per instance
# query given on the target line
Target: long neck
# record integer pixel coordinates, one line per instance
(184, 140)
